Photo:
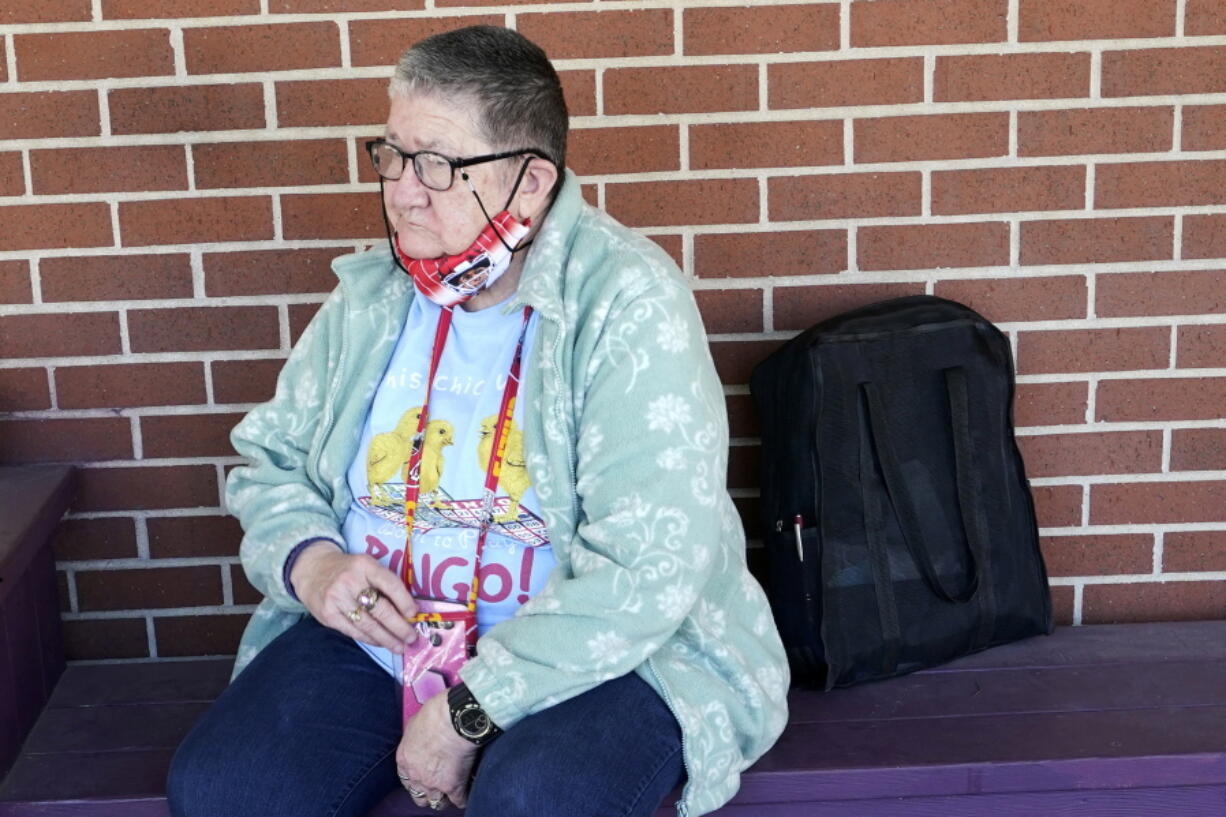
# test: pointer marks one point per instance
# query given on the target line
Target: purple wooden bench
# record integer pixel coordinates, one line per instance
(1101, 720)
(32, 500)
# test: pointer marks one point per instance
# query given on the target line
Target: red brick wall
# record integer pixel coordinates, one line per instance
(173, 186)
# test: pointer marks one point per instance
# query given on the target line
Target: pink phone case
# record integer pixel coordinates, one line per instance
(432, 661)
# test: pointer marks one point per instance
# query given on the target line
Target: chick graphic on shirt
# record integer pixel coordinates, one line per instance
(387, 455)
(513, 476)
(439, 435)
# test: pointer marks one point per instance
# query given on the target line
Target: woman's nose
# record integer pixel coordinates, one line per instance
(407, 191)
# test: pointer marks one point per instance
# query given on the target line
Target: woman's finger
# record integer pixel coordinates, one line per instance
(397, 595)
(373, 632)
(392, 622)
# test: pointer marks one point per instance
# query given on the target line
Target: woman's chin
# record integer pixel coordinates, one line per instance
(415, 245)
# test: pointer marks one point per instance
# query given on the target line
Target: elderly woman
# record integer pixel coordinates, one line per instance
(510, 408)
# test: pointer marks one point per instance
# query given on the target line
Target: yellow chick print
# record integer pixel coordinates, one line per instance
(387, 455)
(439, 435)
(513, 477)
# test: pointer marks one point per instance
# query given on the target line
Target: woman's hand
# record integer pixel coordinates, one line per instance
(329, 581)
(432, 758)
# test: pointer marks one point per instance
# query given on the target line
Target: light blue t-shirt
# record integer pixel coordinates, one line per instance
(464, 406)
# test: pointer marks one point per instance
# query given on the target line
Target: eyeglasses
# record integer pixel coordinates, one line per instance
(434, 170)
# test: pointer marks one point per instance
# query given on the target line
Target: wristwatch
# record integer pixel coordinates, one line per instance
(468, 718)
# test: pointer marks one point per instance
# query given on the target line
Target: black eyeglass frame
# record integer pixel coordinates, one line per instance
(456, 164)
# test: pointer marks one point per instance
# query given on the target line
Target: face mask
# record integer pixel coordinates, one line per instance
(453, 279)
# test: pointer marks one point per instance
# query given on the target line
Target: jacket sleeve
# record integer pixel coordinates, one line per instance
(277, 503)
(651, 458)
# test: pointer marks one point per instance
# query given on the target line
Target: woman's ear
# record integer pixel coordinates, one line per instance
(532, 198)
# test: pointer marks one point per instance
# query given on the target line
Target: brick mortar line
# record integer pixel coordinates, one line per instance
(154, 513)
(10, 59)
(1177, 237)
(1012, 22)
(70, 579)
(1181, 16)
(1167, 444)
(160, 612)
(811, 114)
(1120, 427)
(1028, 216)
(227, 585)
(1140, 578)
(189, 158)
(211, 247)
(36, 281)
(178, 51)
(697, 285)
(1078, 603)
(1145, 528)
(138, 450)
(998, 47)
(95, 10)
(271, 19)
(131, 563)
(350, 134)
(346, 52)
(384, 71)
(104, 114)
(1159, 551)
(194, 411)
(1091, 480)
(151, 642)
(1094, 378)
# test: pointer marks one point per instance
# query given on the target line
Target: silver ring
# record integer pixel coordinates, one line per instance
(437, 805)
(412, 791)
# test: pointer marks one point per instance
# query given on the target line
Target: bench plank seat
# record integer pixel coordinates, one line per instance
(1103, 720)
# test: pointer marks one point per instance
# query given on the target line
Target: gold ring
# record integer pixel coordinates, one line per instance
(368, 598)
(355, 615)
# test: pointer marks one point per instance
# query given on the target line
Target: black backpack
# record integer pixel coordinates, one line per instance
(899, 528)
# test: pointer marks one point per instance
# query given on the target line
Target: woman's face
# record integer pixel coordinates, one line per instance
(430, 223)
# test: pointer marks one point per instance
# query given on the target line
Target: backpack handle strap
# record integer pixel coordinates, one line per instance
(900, 497)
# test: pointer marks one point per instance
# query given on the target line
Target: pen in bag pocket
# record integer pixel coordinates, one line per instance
(798, 522)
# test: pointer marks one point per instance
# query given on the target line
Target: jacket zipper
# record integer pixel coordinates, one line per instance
(683, 806)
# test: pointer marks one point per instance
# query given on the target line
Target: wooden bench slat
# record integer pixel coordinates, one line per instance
(160, 682)
(113, 728)
(1198, 801)
(110, 807)
(990, 739)
(1103, 644)
(985, 692)
(86, 776)
(1083, 731)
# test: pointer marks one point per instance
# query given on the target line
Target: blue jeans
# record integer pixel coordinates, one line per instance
(311, 727)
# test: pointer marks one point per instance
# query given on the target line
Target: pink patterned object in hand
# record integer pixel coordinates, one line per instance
(432, 661)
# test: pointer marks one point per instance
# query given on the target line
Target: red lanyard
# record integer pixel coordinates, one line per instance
(412, 483)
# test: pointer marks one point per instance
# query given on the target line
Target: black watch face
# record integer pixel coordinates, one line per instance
(474, 723)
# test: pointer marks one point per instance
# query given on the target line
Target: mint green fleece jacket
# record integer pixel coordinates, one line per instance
(626, 442)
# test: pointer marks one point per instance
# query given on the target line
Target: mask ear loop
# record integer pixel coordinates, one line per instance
(387, 226)
(522, 170)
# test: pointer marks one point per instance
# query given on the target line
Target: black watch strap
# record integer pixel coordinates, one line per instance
(468, 718)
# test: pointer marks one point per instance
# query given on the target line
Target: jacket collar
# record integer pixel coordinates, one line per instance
(371, 276)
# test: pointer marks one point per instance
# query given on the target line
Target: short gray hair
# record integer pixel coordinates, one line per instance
(517, 92)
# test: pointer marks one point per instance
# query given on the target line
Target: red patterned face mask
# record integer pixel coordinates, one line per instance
(453, 279)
